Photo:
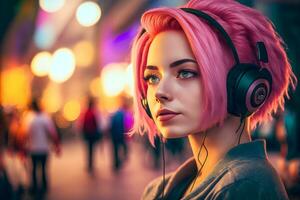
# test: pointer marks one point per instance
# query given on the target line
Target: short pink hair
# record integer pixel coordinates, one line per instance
(245, 26)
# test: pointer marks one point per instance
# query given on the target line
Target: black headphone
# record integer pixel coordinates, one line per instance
(248, 85)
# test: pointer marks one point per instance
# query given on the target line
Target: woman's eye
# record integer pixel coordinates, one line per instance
(184, 74)
(151, 79)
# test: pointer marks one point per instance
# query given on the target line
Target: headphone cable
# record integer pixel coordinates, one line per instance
(203, 145)
(242, 122)
(164, 168)
(198, 158)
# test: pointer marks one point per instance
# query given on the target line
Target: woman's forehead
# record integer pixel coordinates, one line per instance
(168, 47)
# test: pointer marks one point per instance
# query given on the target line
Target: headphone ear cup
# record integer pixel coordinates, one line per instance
(146, 107)
(233, 77)
(248, 87)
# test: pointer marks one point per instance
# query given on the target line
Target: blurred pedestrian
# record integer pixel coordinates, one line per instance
(15, 160)
(6, 190)
(40, 131)
(91, 131)
(118, 128)
(3, 130)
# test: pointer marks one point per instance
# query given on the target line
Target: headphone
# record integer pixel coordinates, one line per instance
(248, 85)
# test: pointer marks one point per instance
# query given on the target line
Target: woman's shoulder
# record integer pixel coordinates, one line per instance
(248, 161)
(256, 170)
(252, 179)
(248, 189)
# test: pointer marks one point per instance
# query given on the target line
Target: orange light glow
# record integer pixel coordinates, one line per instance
(71, 110)
(60, 121)
(95, 86)
(15, 87)
(84, 53)
(51, 98)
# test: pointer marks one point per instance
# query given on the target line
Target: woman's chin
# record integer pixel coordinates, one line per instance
(173, 135)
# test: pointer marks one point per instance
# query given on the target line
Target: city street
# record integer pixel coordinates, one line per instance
(69, 178)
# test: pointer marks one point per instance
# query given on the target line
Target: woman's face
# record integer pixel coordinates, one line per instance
(174, 87)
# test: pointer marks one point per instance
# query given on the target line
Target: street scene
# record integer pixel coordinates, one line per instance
(100, 97)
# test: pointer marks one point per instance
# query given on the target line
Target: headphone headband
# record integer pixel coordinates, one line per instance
(216, 25)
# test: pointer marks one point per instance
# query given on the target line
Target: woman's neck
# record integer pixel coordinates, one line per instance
(218, 141)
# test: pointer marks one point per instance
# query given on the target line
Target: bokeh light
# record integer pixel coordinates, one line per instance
(41, 63)
(113, 79)
(71, 110)
(44, 36)
(63, 65)
(51, 5)
(51, 99)
(84, 53)
(60, 121)
(15, 87)
(129, 80)
(88, 13)
(95, 86)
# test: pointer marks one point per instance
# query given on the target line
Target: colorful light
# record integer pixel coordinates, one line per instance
(95, 86)
(15, 87)
(41, 63)
(61, 121)
(113, 78)
(71, 110)
(63, 65)
(51, 98)
(84, 53)
(88, 13)
(129, 80)
(44, 36)
(51, 5)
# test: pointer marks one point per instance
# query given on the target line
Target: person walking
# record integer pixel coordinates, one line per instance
(91, 132)
(120, 123)
(40, 131)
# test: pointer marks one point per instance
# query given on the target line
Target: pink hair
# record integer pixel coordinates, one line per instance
(245, 26)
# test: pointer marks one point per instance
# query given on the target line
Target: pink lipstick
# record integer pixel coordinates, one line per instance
(164, 115)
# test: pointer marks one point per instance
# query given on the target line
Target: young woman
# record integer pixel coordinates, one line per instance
(211, 71)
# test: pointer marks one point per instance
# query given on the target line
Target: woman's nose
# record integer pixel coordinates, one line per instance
(163, 92)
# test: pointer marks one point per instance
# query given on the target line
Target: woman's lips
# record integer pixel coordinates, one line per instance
(166, 117)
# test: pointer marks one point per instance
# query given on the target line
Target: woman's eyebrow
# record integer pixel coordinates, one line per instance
(173, 64)
(181, 61)
(151, 67)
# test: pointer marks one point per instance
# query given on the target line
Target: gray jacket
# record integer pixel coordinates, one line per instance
(244, 173)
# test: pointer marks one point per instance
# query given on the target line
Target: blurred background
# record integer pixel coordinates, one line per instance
(65, 70)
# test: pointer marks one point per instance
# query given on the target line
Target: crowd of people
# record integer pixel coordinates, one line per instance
(27, 139)
(30, 137)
